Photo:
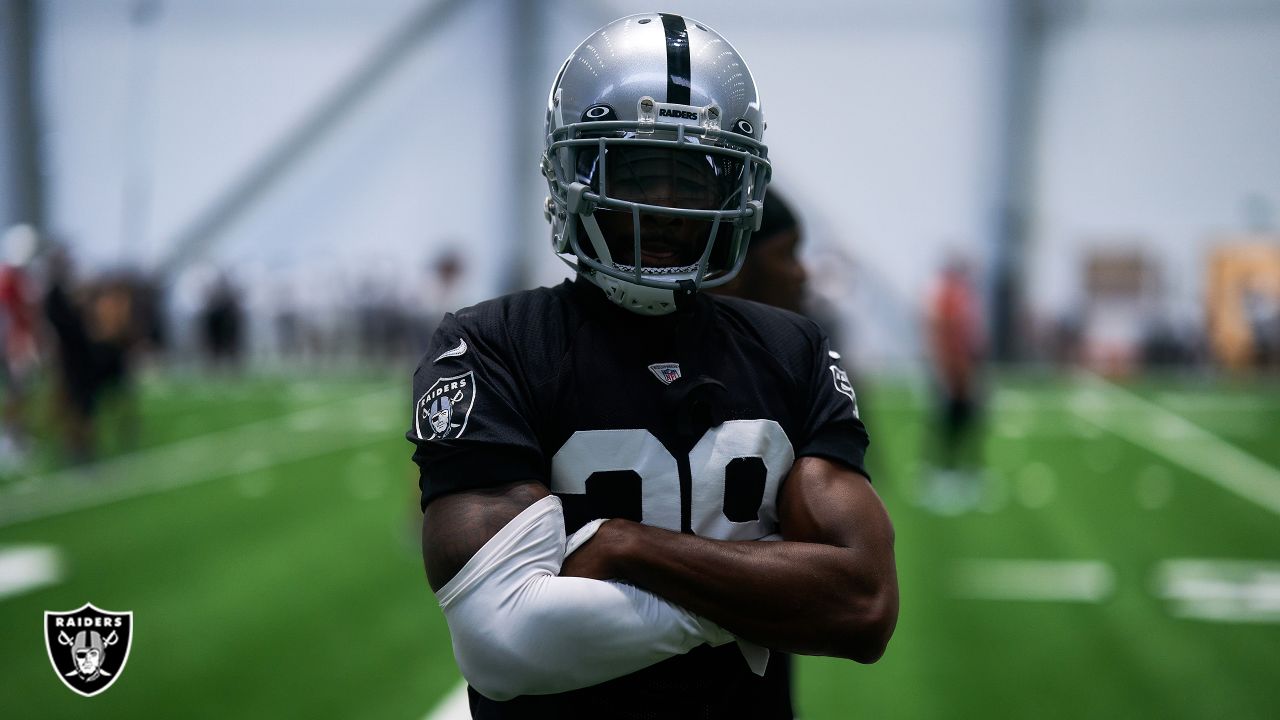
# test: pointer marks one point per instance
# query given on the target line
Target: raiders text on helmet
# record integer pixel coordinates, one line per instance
(654, 160)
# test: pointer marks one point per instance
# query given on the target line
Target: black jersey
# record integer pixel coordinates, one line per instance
(689, 422)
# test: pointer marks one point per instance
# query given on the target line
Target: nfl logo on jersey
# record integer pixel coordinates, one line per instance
(666, 372)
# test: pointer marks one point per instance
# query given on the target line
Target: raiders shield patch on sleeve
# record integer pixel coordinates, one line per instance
(443, 410)
(843, 386)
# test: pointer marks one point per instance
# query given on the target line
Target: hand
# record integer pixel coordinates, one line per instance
(597, 558)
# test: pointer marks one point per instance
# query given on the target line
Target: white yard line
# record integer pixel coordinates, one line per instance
(1081, 581)
(1237, 591)
(27, 567)
(1207, 402)
(1182, 442)
(254, 446)
(454, 706)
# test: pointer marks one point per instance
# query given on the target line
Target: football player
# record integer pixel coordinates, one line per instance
(956, 351)
(635, 493)
(772, 272)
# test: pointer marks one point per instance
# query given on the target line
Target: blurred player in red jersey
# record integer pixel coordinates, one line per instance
(17, 334)
(956, 349)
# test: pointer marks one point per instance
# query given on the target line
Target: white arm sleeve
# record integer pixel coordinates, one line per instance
(520, 629)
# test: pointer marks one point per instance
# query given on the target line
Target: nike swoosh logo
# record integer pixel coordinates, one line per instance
(456, 352)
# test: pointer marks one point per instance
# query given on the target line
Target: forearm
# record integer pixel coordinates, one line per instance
(801, 597)
(519, 629)
(569, 633)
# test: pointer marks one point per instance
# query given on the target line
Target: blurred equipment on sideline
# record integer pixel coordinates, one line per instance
(1123, 294)
(1242, 302)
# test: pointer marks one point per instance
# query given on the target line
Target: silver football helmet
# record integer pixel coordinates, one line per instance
(654, 160)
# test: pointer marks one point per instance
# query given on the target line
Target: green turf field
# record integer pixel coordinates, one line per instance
(264, 535)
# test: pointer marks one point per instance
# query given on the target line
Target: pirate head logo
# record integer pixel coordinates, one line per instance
(88, 647)
(440, 413)
(443, 410)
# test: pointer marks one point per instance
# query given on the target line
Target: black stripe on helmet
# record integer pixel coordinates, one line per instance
(677, 58)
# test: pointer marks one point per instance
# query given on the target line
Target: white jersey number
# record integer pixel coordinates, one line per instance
(735, 471)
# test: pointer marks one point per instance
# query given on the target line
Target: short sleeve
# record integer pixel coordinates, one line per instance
(471, 410)
(832, 428)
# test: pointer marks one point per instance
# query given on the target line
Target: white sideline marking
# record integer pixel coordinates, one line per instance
(1087, 581)
(257, 445)
(454, 706)
(1194, 402)
(1239, 591)
(1181, 441)
(27, 567)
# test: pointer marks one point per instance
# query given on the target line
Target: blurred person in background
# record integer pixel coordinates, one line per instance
(444, 281)
(19, 308)
(222, 326)
(567, 412)
(1262, 313)
(385, 325)
(773, 273)
(76, 396)
(957, 354)
(116, 336)
(148, 300)
(288, 327)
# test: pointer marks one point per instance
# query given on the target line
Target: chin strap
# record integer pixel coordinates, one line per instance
(685, 295)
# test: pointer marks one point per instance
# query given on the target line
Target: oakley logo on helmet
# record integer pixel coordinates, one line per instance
(599, 112)
(88, 647)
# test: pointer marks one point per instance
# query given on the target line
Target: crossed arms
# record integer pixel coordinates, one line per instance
(828, 588)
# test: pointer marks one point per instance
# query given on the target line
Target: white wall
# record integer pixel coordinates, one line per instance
(878, 129)
(407, 174)
(1158, 118)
